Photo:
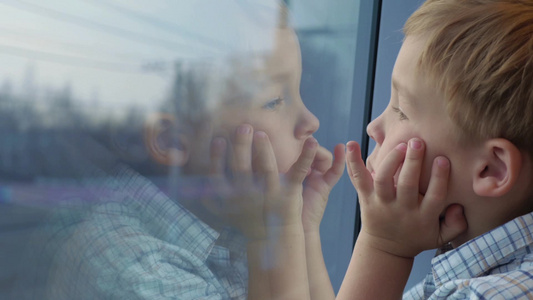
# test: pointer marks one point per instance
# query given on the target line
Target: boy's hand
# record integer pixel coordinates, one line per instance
(396, 218)
(253, 198)
(318, 184)
(238, 198)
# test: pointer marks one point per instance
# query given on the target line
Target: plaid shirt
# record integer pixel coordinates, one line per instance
(139, 244)
(495, 265)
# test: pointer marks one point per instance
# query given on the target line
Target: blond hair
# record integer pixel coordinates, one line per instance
(479, 53)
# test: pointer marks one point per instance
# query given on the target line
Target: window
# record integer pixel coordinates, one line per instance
(105, 106)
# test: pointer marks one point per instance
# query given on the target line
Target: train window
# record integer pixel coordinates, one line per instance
(111, 111)
(393, 15)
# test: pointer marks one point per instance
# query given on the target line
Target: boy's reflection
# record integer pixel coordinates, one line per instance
(139, 240)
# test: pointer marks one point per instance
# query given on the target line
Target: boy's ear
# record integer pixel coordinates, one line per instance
(163, 141)
(498, 168)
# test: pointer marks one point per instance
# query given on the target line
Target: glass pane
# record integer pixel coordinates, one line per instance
(394, 13)
(335, 39)
(113, 113)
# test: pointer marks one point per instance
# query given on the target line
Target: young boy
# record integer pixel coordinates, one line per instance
(453, 163)
(264, 133)
(136, 241)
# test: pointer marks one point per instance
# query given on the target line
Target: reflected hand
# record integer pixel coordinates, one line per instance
(239, 199)
(325, 173)
(253, 198)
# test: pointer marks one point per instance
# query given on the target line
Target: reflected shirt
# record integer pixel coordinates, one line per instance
(495, 265)
(139, 244)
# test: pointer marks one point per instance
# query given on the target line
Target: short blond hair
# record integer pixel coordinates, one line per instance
(479, 53)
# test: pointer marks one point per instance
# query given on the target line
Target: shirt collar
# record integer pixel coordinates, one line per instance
(485, 252)
(171, 221)
(180, 226)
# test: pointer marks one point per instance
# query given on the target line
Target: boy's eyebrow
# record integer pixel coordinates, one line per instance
(401, 89)
(281, 76)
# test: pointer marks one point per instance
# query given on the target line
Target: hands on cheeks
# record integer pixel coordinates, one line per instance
(254, 197)
(396, 218)
(239, 198)
(325, 173)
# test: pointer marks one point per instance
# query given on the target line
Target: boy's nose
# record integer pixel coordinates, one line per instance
(307, 124)
(374, 130)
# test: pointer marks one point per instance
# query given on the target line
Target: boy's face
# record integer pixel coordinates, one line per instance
(417, 109)
(267, 96)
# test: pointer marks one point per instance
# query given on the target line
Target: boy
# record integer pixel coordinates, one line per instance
(274, 122)
(453, 162)
(137, 242)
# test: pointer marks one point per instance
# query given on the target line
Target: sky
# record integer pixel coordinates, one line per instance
(118, 52)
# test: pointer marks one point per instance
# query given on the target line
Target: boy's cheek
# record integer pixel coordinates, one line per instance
(425, 176)
(284, 163)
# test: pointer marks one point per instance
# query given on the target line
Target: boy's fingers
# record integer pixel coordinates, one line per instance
(217, 156)
(359, 175)
(241, 155)
(218, 180)
(217, 201)
(453, 223)
(407, 188)
(301, 167)
(323, 160)
(433, 202)
(264, 161)
(337, 168)
(384, 176)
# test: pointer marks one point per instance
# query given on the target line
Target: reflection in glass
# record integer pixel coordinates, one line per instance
(107, 114)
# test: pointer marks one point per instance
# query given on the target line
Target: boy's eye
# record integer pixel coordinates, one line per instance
(400, 113)
(273, 104)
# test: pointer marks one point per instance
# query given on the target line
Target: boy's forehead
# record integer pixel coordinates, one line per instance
(404, 91)
(277, 65)
(406, 74)
(411, 84)
(255, 74)
(409, 54)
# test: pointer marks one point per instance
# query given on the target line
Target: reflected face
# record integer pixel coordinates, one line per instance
(417, 109)
(265, 93)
